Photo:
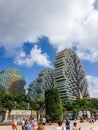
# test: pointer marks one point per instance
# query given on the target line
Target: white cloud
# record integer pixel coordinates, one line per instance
(65, 23)
(35, 56)
(90, 55)
(93, 85)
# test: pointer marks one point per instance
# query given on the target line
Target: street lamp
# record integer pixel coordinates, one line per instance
(28, 106)
(15, 104)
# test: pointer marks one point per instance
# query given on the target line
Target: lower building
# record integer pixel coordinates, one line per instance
(37, 87)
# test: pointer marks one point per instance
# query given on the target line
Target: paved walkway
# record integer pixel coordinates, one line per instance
(84, 126)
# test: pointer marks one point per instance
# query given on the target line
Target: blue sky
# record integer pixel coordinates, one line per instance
(32, 32)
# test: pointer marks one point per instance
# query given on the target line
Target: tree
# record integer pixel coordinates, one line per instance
(94, 103)
(33, 105)
(53, 104)
(68, 105)
(75, 110)
(8, 102)
(22, 100)
(2, 90)
(39, 106)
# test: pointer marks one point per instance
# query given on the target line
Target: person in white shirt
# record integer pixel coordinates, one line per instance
(60, 127)
(23, 123)
(74, 126)
(44, 121)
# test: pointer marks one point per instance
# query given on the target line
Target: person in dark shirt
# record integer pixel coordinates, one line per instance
(67, 124)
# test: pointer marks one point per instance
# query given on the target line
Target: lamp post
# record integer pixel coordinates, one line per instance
(29, 112)
(15, 104)
(15, 108)
(28, 106)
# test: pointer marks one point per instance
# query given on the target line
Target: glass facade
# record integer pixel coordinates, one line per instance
(10, 77)
(37, 87)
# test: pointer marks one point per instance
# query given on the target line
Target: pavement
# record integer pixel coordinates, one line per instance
(84, 126)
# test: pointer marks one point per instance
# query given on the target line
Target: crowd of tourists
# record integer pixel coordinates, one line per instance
(33, 124)
(30, 124)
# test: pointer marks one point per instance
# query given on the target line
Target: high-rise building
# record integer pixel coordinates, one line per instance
(37, 87)
(69, 76)
(32, 89)
(12, 80)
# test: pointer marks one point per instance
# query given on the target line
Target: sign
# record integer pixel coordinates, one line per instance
(20, 112)
(34, 113)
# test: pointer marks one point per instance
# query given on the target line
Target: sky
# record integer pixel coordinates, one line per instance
(33, 31)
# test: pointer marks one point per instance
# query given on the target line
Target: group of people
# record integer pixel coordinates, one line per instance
(26, 124)
(32, 124)
(29, 124)
(67, 125)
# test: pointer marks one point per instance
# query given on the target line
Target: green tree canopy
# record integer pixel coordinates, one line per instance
(53, 103)
(8, 101)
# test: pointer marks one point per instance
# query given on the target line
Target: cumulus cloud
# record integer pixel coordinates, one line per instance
(35, 56)
(93, 85)
(90, 55)
(66, 24)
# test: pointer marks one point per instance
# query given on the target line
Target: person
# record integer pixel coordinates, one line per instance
(32, 121)
(44, 121)
(91, 120)
(23, 123)
(27, 125)
(74, 126)
(35, 124)
(60, 127)
(41, 119)
(40, 127)
(67, 124)
(14, 125)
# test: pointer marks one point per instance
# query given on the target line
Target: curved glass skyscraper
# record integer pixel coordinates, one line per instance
(12, 80)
